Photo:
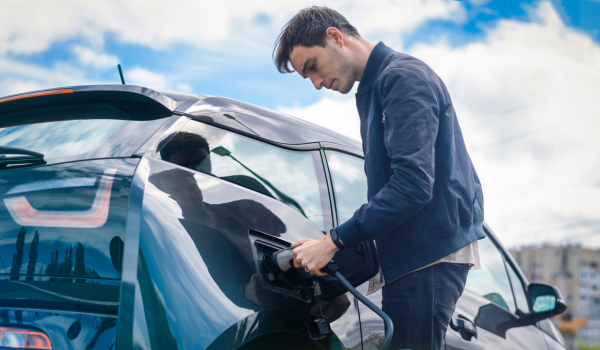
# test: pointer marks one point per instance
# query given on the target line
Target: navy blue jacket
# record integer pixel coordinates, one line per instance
(424, 197)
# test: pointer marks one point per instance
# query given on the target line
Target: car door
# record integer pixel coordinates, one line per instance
(493, 294)
(350, 192)
(553, 337)
(198, 287)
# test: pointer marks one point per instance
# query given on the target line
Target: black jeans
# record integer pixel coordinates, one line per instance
(421, 304)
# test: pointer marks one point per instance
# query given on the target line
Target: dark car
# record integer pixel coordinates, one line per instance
(138, 219)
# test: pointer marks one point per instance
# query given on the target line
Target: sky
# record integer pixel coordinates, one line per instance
(524, 78)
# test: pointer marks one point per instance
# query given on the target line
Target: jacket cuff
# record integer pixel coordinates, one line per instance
(350, 233)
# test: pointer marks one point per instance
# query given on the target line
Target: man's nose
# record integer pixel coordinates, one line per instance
(317, 82)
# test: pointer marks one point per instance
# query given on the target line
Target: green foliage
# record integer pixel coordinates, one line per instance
(586, 346)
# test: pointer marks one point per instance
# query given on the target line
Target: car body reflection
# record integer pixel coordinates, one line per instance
(62, 264)
(84, 331)
(207, 249)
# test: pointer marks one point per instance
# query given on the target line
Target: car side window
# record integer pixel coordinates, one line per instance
(293, 177)
(491, 281)
(349, 182)
(518, 289)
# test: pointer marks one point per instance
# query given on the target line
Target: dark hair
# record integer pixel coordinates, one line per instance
(181, 142)
(308, 28)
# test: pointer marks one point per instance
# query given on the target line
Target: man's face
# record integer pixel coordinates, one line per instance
(329, 67)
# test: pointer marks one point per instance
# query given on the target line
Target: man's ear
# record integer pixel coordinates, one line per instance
(336, 36)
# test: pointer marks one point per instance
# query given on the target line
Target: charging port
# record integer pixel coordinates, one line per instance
(293, 283)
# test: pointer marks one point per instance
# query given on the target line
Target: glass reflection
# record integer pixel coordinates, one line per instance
(544, 303)
(202, 271)
(219, 233)
(289, 176)
(349, 182)
(66, 331)
(66, 267)
(62, 138)
(47, 250)
(491, 281)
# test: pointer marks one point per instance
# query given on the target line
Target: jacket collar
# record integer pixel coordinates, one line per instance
(373, 66)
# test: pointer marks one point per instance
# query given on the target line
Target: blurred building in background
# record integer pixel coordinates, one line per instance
(575, 271)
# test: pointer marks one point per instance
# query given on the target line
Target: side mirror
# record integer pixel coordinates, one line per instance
(544, 301)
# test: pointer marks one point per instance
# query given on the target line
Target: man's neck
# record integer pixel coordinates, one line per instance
(361, 50)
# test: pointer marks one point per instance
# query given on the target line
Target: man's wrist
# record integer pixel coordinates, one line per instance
(336, 239)
(331, 246)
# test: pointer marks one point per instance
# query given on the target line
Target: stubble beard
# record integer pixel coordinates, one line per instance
(343, 65)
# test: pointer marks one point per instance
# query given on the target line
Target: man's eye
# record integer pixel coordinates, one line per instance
(312, 67)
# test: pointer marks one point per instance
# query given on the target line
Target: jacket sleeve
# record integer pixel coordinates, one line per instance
(410, 123)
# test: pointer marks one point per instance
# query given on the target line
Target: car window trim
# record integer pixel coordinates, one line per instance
(180, 119)
(325, 192)
(343, 149)
(508, 259)
(332, 196)
(510, 282)
(311, 146)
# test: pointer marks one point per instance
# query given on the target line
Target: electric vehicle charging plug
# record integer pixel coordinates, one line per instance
(283, 260)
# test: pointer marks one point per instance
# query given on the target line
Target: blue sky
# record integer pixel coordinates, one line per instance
(523, 76)
(225, 71)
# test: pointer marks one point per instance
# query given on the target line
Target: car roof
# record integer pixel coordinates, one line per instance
(248, 118)
(263, 122)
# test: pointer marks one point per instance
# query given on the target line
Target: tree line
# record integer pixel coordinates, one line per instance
(64, 268)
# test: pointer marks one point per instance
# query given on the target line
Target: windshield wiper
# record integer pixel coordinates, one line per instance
(18, 157)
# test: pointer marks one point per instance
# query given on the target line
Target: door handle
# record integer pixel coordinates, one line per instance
(464, 326)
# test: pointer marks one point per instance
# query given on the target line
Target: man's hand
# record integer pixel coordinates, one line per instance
(313, 254)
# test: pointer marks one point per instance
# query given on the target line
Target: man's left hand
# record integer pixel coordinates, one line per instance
(314, 254)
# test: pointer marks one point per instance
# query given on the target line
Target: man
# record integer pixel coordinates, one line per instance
(425, 203)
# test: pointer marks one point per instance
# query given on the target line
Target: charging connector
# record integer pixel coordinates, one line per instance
(283, 260)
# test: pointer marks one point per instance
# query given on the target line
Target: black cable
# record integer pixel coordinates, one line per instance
(389, 327)
(319, 302)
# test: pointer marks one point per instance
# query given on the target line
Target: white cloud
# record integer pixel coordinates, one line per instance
(333, 112)
(207, 24)
(21, 77)
(183, 87)
(11, 86)
(91, 58)
(526, 98)
(143, 77)
(242, 31)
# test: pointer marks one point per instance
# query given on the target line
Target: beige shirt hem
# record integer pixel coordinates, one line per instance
(466, 255)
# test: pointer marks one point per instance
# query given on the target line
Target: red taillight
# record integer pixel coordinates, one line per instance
(36, 94)
(15, 338)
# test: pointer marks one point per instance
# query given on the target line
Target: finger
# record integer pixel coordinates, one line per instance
(300, 242)
(316, 272)
(312, 270)
(297, 264)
